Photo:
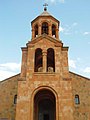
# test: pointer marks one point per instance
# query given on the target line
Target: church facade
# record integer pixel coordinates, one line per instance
(45, 89)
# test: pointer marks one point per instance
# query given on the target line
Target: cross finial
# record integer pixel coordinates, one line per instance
(45, 6)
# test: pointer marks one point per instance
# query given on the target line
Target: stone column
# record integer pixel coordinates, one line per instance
(57, 33)
(50, 29)
(24, 62)
(39, 29)
(33, 32)
(44, 61)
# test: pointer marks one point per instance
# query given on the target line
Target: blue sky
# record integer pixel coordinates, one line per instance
(15, 31)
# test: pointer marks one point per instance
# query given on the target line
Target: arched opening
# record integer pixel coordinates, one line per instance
(45, 28)
(36, 30)
(44, 105)
(50, 60)
(53, 30)
(38, 60)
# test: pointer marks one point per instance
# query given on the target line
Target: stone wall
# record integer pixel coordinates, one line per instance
(81, 86)
(8, 89)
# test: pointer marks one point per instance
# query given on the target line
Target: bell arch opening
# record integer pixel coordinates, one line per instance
(44, 105)
(38, 60)
(50, 60)
(45, 28)
(36, 30)
(53, 30)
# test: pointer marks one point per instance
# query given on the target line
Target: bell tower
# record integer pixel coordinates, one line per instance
(42, 25)
(44, 86)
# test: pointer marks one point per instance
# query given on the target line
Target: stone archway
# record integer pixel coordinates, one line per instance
(44, 105)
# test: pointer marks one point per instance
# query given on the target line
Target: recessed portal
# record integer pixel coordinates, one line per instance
(44, 105)
(46, 117)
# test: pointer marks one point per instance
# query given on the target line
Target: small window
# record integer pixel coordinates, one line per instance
(15, 99)
(77, 101)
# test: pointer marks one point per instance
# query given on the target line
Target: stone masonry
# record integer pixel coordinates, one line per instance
(45, 88)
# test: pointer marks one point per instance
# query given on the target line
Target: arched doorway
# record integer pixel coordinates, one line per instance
(44, 105)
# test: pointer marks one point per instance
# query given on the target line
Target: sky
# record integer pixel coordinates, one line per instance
(15, 32)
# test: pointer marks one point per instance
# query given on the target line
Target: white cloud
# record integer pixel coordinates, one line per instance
(9, 69)
(10, 66)
(5, 74)
(69, 29)
(74, 24)
(86, 33)
(78, 59)
(54, 1)
(61, 29)
(62, 1)
(88, 42)
(87, 70)
(72, 63)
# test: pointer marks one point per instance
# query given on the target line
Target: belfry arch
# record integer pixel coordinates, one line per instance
(36, 30)
(45, 28)
(44, 105)
(53, 30)
(38, 60)
(50, 60)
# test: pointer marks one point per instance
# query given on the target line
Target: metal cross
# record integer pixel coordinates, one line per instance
(45, 6)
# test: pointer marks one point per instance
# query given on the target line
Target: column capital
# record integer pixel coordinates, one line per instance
(39, 24)
(50, 24)
(44, 53)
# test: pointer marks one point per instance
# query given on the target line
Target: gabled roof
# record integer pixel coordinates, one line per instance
(54, 40)
(11, 78)
(78, 75)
